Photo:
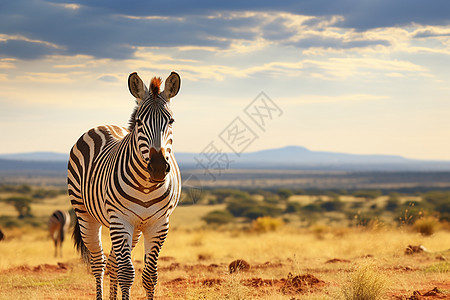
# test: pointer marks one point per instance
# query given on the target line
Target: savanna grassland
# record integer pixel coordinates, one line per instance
(293, 245)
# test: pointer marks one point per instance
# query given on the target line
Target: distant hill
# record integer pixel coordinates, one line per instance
(289, 158)
(298, 158)
(36, 156)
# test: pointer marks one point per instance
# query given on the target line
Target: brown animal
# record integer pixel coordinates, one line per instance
(57, 227)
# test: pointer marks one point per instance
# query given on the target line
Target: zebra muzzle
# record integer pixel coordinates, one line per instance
(158, 167)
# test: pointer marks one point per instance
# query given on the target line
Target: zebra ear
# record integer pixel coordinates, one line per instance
(137, 86)
(172, 85)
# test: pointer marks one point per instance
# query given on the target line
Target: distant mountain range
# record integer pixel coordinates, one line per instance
(289, 158)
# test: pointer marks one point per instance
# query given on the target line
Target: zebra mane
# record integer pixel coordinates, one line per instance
(155, 84)
(132, 121)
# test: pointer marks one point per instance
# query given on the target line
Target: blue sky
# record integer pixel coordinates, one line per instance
(367, 76)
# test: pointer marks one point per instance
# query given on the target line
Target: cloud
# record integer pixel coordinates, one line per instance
(116, 29)
(108, 78)
(432, 32)
(318, 41)
(25, 50)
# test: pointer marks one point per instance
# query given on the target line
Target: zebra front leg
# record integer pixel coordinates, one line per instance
(112, 271)
(154, 239)
(112, 264)
(90, 232)
(122, 244)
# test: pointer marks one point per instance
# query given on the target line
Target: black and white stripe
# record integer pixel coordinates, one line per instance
(58, 225)
(127, 180)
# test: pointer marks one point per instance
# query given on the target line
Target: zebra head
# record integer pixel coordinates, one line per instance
(153, 121)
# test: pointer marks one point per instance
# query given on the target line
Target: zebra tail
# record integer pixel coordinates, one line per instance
(79, 244)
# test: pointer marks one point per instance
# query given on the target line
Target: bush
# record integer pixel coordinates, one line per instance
(238, 206)
(365, 284)
(368, 194)
(45, 193)
(284, 194)
(254, 213)
(426, 225)
(218, 217)
(292, 207)
(335, 205)
(440, 201)
(314, 207)
(21, 204)
(222, 194)
(393, 202)
(266, 224)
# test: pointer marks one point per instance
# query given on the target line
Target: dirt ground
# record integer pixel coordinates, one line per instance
(410, 279)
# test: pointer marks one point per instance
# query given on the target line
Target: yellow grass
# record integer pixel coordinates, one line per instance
(191, 247)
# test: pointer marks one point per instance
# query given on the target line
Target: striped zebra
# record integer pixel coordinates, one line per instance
(127, 180)
(58, 224)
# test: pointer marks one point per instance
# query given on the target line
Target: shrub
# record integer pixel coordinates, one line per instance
(223, 194)
(313, 207)
(426, 225)
(218, 217)
(393, 202)
(368, 194)
(292, 207)
(238, 206)
(21, 204)
(254, 213)
(284, 193)
(266, 224)
(365, 284)
(335, 205)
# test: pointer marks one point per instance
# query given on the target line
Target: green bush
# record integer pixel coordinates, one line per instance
(239, 205)
(284, 194)
(439, 201)
(218, 217)
(254, 213)
(314, 207)
(293, 207)
(368, 194)
(335, 205)
(393, 202)
(21, 204)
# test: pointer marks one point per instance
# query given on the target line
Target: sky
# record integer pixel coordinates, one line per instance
(354, 76)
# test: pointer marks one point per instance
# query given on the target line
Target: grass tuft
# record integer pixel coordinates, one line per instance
(365, 284)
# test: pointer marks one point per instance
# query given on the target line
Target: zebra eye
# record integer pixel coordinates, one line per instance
(138, 122)
(171, 121)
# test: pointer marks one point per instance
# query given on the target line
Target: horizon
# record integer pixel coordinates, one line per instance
(250, 152)
(335, 76)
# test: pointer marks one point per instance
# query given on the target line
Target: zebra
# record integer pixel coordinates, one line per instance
(127, 179)
(58, 224)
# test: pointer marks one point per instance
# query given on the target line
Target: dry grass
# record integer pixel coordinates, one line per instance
(194, 261)
(186, 272)
(365, 283)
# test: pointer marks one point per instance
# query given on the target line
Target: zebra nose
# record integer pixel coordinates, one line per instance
(158, 166)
